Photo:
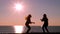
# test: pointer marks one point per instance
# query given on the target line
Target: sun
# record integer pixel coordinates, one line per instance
(18, 6)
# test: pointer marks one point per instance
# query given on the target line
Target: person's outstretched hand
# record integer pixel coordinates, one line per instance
(33, 22)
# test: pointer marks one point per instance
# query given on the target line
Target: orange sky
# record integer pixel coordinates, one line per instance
(10, 17)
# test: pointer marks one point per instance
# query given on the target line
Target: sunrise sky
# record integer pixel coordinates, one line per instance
(10, 16)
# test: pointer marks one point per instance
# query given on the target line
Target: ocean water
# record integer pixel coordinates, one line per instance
(23, 29)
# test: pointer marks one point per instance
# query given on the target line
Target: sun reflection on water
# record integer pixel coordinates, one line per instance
(18, 29)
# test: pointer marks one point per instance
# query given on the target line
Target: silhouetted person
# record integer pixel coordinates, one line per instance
(45, 25)
(28, 21)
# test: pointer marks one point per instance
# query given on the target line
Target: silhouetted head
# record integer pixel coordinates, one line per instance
(44, 15)
(29, 15)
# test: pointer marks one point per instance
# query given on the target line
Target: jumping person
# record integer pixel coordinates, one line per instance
(45, 25)
(28, 21)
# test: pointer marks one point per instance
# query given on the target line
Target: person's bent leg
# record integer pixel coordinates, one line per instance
(28, 29)
(46, 29)
(43, 29)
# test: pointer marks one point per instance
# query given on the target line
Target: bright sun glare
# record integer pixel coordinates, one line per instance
(18, 6)
(18, 29)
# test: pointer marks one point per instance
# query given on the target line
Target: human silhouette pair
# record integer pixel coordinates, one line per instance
(44, 19)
